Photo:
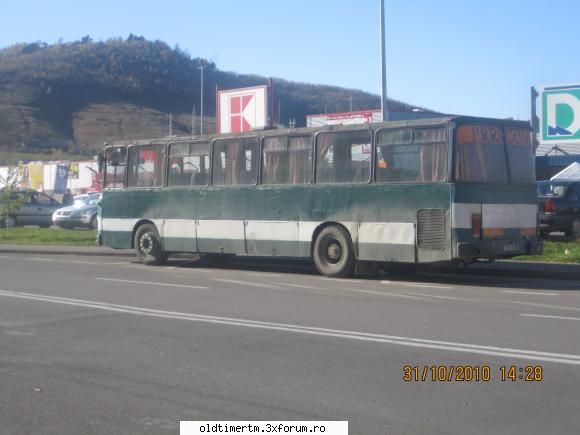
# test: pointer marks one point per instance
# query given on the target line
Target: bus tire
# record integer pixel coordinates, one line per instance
(148, 245)
(333, 252)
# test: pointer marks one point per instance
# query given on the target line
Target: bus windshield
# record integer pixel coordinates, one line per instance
(492, 154)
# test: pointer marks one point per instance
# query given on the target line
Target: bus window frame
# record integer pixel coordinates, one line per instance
(212, 155)
(456, 125)
(126, 148)
(164, 162)
(315, 156)
(189, 142)
(290, 135)
(448, 142)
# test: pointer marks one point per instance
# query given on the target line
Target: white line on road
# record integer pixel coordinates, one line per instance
(247, 283)
(414, 284)
(40, 259)
(162, 284)
(298, 329)
(550, 317)
(343, 280)
(518, 292)
(452, 298)
(309, 287)
(268, 275)
(396, 295)
(84, 262)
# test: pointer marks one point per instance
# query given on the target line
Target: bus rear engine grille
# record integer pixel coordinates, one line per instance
(431, 229)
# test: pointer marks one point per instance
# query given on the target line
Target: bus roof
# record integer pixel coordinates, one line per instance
(423, 122)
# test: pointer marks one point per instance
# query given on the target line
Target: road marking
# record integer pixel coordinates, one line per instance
(550, 317)
(118, 262)
(298, 329)
(40, 259)
(452, 298)
(415, 284)
(397, 295)
(84, 262)
(531, 293)
(248, 283)
(269, 275)
(309, 287)
(163, 284)
(343, 280)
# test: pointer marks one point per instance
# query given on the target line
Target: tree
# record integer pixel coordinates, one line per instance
(10, 201)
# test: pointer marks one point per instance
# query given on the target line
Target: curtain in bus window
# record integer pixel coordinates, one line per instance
(521, 159)
(433, 153)
(480, 154)
(343, 157)
(235, 161)
(286, 160)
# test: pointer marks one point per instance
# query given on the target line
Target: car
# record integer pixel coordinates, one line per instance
(36, 209)
(83, 213)
(559, 207)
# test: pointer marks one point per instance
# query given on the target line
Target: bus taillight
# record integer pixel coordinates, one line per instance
(476, 225)
(549, 206)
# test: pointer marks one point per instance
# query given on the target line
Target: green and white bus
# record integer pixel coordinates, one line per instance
(450, 189)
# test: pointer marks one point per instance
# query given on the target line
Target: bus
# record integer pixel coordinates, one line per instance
(451, 189)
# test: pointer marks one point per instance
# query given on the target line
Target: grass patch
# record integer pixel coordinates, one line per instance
(556, 252)
(47, 236)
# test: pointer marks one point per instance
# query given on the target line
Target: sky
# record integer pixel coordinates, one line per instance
(455, 56)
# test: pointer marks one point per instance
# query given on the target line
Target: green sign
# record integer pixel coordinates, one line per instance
(560, 114)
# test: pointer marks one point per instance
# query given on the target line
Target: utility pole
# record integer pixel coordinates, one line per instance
(193, 121)
(201, 67)
(384, 106)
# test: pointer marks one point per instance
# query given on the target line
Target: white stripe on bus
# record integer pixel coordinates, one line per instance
(495, 215)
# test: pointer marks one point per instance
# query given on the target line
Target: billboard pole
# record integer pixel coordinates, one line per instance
(384, 106)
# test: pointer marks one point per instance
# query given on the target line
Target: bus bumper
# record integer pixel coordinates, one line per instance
(491, 249)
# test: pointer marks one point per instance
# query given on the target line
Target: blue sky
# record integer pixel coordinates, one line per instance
(465, 57)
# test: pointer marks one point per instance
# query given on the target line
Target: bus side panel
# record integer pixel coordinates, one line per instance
(116, 226)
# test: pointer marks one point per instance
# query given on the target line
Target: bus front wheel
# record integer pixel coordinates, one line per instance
(148, 245)
(333, 252)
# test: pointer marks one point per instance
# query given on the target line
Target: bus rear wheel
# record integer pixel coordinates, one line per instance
(333, 252)
(148, 245)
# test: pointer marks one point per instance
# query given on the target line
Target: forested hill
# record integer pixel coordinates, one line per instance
(80, 94)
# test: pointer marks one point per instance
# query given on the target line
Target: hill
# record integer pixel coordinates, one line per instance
(77, 95)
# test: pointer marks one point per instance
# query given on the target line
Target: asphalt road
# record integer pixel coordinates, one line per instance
(105, 345)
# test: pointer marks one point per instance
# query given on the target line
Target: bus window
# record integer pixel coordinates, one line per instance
(235, 161)
(343, 157)
(521, 159)
(480, 155)
(287, 160)
(145, 168)
(412, 155)
(115, 160)
(188, 164)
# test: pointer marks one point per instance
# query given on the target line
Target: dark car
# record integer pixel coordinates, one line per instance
(36, 209)
(559, 207)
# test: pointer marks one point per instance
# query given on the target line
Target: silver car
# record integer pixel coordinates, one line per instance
(36, 209)
(83, 213)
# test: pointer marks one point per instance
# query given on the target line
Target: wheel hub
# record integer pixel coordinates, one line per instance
(334, 251)
(146, 243)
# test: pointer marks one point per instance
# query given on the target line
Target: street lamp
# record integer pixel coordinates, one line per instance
(201, 67)
(384, 107)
